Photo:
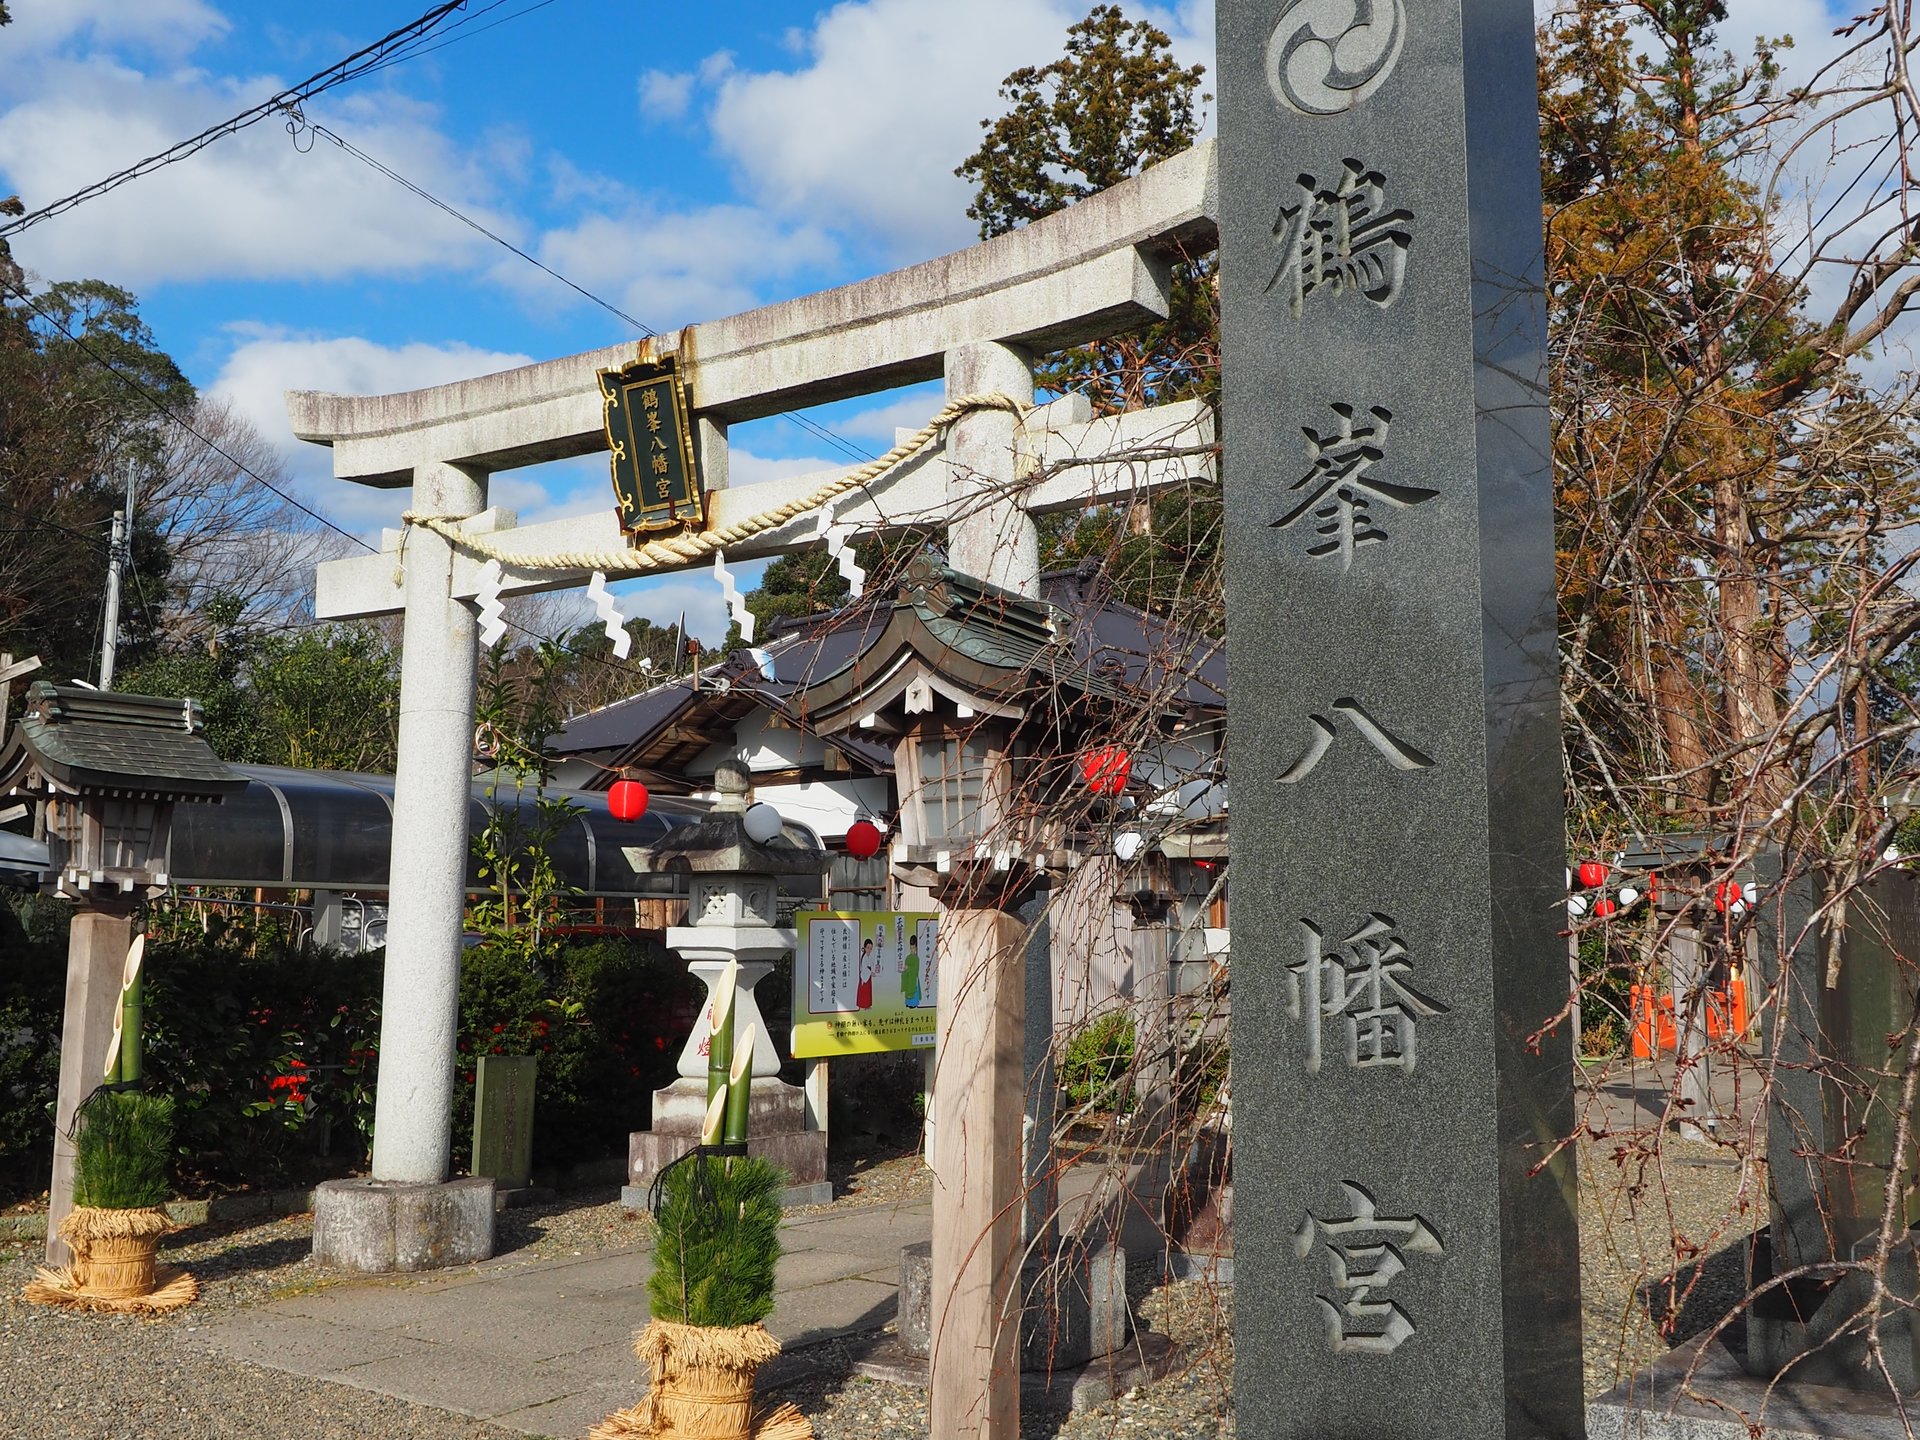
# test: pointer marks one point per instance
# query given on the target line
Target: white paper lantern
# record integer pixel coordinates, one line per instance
(761, 822)
(1127, 844)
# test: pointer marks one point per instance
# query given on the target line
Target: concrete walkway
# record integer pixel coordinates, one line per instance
(546, 1346)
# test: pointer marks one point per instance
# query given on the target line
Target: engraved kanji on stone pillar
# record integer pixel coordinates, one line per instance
(1364, 982)
(1366, 1251)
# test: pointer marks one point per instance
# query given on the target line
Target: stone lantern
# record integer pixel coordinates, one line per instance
(733, 888)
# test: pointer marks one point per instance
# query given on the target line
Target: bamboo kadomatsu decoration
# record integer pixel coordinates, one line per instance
(716, 1242)
(114, 1231)
(113, 1267)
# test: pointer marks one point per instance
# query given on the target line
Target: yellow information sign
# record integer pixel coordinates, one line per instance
(864, 982)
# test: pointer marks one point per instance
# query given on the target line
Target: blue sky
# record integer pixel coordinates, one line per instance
(682, 161)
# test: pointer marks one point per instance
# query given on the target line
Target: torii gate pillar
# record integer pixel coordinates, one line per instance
(420, 999)
(391, 1222)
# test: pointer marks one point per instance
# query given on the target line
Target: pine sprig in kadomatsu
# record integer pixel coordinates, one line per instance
(714, 1257)
(121, 1151)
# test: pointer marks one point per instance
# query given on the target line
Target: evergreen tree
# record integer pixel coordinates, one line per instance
(1115, 102)
(1713, 439)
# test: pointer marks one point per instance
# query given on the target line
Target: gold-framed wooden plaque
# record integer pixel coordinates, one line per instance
(656, 471)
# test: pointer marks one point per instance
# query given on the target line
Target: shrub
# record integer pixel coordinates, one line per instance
(122, 1150)
(1098, 1063)
(233, 1010)
(607, 1026)
(33, 968)
(716, 1242)
(269, 1050)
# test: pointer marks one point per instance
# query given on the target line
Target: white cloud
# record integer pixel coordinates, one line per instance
(866, 134)
(665, 96)
(668, 268)
(167, 27)
(251, 205)
(880, 422)
(746, 468)
(268, 362)
(694, 592)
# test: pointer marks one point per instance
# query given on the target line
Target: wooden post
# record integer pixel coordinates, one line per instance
(977, 1180)
(815, 1094)
(96, 958)
(10, 671)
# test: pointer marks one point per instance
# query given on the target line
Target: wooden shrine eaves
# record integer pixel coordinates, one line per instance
(1095, 269)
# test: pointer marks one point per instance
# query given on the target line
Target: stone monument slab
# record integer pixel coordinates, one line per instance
(1397, 832)
(503, 1090)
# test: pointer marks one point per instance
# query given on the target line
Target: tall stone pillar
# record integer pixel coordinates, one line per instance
(1398, 842)
(420, 999)
(975, 1356)
(407, 1216)
(979, 1081)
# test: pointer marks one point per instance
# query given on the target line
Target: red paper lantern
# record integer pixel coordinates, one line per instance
(1605, 907)
(1591, 874)
(863, 839)
(1106, 769)
(627, 800)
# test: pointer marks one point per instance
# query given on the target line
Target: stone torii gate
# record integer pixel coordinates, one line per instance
(976, 318)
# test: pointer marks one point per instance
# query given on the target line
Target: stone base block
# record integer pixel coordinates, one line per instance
(634, 1197)
(378, 1227)
(1208, 1269)
(1143, 1359)
(522, 1195)
(1075, 1305)
(802, 1154)
(1722, 1402)
(773, 1107)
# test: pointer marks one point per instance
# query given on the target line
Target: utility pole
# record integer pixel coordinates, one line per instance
(116, 558)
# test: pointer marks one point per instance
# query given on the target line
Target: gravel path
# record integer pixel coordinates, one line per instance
(104, 1378)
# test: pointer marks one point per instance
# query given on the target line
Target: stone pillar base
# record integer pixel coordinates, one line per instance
(1075, 1305)
(776, 1132)
(378, 1227)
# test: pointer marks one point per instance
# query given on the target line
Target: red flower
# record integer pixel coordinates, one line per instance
(498, 1028)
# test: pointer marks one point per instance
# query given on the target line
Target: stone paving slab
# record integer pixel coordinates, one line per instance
(463, 1381)
(312, 1347)
(819, 1312)
(545, 1347)
(573, 1415)
(610, 1364)
(801, 1268)
(483, 1321)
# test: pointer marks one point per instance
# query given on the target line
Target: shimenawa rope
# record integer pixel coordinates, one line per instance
(678, 551)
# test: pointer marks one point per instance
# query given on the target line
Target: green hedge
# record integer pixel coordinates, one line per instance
(1096, 1068)
(33, 970)
(270, 1051)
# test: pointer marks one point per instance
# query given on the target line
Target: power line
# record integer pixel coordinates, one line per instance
(160, 404)
(454, 39)
(394, 175)
(361, 62)
(296, 122)
(47, 524)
